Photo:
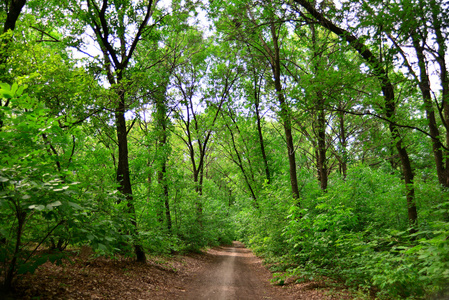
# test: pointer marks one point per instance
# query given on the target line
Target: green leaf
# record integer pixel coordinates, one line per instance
(61, 189)
(37, 207)
(14, 88)
(4, 86)
(20, 90)
(102, 247)
(54, 204)
(6, 94)
(75, 206)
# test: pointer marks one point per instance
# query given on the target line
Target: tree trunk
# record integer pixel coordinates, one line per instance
(284, 113)
(160, 200)
(261, 141)
(164, 195)
(407, 171)
(342, 137)
(424, 86)
(14, 10)
(321, 115)
(11, 272)
(198, 181)
(322, 167)
(123, 177)
(162, 133)
(118, 56)
(444, 78)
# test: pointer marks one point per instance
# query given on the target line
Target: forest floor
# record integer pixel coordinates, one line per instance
(227, 272)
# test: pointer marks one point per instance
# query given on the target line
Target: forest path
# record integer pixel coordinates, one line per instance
(234, 273)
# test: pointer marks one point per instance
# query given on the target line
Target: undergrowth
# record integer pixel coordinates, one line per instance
(359, 236)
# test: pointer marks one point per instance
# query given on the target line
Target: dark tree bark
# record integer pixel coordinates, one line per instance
(424, 86)
(444, 78)
(14, 10)
(321, 157)
(12, 15)
(162, 131)
(320, 115)
(343, 144)
(123, 177)
(259, 131)
(388, 94)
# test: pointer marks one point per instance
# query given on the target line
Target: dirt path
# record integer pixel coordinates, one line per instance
(234, 273)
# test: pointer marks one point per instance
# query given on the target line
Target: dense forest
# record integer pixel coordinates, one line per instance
(316, 132)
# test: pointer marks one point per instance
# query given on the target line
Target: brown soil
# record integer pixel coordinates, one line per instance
(231, 272)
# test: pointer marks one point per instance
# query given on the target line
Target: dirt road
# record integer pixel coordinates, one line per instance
(234, 273)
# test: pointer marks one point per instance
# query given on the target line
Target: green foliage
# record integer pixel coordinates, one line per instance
(357, 233)
(34, 199)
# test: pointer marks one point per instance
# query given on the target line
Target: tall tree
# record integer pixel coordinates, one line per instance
(421, 25)
(388, 93)
(264, 31)
(118, 28)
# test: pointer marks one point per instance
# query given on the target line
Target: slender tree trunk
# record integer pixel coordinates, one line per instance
(167, 202)
(285, 113)
(424, 85)
(322, 167)
(160, 198)
(198, 181)
(164, 196)
(162, 128)
(321, 115)
(117, 55)
(407, 171)
(261, 141)
(444, 78)
(200, 184)
(123, 177)
(343, 143)
(10, 273)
